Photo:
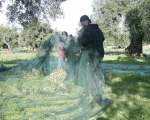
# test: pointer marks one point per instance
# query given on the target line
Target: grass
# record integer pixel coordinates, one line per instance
(131, 98)
(124, 59)
(11, 59)
(27, 94)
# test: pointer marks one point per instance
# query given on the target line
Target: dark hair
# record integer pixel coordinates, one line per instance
(84, 18)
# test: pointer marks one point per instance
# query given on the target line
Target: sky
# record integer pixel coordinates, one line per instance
(73, 9)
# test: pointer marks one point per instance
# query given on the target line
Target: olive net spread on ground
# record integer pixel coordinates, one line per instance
(38, 90)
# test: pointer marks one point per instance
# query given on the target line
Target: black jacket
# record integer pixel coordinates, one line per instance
(91, 37)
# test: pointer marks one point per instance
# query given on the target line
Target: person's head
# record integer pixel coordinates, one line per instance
(85, 20)
(65, 33)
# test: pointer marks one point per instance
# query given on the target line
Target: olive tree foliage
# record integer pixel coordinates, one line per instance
(27, 11)
(111, 15)
(145, 22)
(33, 35)
(30, 37)
(138, 22)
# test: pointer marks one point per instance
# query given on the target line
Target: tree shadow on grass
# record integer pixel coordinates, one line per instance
(123, 111)
(42, 65)
(132, 84)
(102, 118)
(130, 60)
(12, 61)
(7, 65)
(126, 106)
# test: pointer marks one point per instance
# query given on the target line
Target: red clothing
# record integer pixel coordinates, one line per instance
(61, 51)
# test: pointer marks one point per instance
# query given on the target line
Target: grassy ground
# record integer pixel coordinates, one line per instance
(131, 98)
(129, 93)
(124, 59)
(11, 59)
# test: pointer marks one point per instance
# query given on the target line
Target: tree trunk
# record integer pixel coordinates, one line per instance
(135, 48)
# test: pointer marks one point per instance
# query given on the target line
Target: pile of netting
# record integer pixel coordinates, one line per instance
(40, 89)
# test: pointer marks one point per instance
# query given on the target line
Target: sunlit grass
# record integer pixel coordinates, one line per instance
(124, 59)
(10, 56)
(9, 59)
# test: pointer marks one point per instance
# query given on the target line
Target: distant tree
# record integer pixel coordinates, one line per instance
(30, 37)
(8, 37)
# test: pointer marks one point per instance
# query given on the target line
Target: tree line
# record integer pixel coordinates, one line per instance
(125, 23)
(30, 37)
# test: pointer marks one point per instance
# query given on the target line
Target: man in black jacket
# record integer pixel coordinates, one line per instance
(91, 40)
(91, 37)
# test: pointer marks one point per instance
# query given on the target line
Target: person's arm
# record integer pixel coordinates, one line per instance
(100, 46)
(101, 35)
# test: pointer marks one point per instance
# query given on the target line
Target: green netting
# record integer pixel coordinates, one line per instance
(39, 90)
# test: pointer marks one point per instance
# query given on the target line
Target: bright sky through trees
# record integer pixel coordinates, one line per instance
(73, 9)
